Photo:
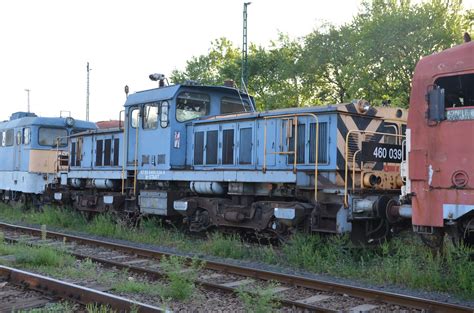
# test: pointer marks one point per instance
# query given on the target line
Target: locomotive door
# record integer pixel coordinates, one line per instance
(133, 127)
(153, 148)
(18, 150)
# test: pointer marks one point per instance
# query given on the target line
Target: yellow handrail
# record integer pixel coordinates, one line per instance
(125, 152)
(346, 154)
(316, 161)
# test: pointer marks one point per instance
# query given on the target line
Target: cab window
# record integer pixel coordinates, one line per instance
(134, 117)
(150, 117)
(52, 136)
(234, 105)
(26, 136)
(191, 105)
(458, 90)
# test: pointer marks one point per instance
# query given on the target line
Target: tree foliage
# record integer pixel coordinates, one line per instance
(371, 57)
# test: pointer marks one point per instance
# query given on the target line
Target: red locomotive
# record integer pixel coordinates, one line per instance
(439, 170)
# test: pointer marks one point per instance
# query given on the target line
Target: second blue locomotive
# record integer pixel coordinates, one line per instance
(204, 153)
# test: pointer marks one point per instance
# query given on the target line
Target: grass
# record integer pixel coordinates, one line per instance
(59, 307)
(404, 261)
(261, 300)
(181, 279)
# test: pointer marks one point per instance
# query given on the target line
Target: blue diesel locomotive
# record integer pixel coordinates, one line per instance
(204, 154)
(33, 150)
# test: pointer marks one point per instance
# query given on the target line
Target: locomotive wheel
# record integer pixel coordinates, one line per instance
(463, 232)
(23, 201)
(434, 241)
(370, 232)
(4, 197)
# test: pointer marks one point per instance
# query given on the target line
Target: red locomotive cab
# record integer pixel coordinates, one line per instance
(440, 143)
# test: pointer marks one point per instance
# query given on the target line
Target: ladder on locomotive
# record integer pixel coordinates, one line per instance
(129, 177)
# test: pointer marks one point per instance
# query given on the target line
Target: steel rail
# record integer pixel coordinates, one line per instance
(295, 280)
(73, 292)
(154, 274)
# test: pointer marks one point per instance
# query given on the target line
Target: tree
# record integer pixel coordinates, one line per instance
(221, 63)
(372, 57)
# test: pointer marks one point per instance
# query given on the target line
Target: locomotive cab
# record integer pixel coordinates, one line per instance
(34, 150)
(440, 185)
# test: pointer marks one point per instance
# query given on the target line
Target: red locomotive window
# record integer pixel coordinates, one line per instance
(458, 90)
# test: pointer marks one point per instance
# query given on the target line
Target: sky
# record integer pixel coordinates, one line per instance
(45, 45)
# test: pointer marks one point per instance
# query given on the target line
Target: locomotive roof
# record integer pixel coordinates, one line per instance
(46, 121)
(345, 108)
(445, 62)
(168, 92)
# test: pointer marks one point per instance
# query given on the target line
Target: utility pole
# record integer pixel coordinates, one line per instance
(87, 95)
(28, 95)
(244, 48)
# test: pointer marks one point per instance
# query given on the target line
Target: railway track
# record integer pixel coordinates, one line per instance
(293, 291)
(25, 290)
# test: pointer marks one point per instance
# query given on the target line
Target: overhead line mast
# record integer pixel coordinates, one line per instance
(244, 48)
(88, 93)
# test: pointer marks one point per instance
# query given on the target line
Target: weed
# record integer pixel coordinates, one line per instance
(261, 300)
(42, 256)
(403, 261)
(98, 308)
(181, 279)
(59, 307)
(133, 286)
(229, 246)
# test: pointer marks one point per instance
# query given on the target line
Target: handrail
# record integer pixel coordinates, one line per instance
(316, 161)
(125, 152)
(346, 156)
(136, 156)
(353, 168)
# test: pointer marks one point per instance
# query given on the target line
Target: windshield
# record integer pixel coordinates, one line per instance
(49, 137)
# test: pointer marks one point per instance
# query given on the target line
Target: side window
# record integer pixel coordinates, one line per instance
(9, 137)
(300, 147)
(228, 146)
(4, 138)
(116, 151)
(191, 105)
(198, 148)
(52, 136)
(73, 154)
(211, 147)
(234, 105)
(26, 136)
(107, 151)
(134, 117)
(390, 128)
(79, 151)
(245, 149)
(99, 152)
(150, 117)
(18, 137)
(458, 90)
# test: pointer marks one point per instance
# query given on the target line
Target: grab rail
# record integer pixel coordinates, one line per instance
(294, 152)
(346, 158)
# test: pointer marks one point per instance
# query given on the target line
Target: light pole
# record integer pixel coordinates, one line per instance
(28, 93)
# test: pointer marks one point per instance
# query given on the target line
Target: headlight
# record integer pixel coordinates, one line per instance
(69, 121)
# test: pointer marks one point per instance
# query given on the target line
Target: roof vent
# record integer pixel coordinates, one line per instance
(229, 83)
(18, 115)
